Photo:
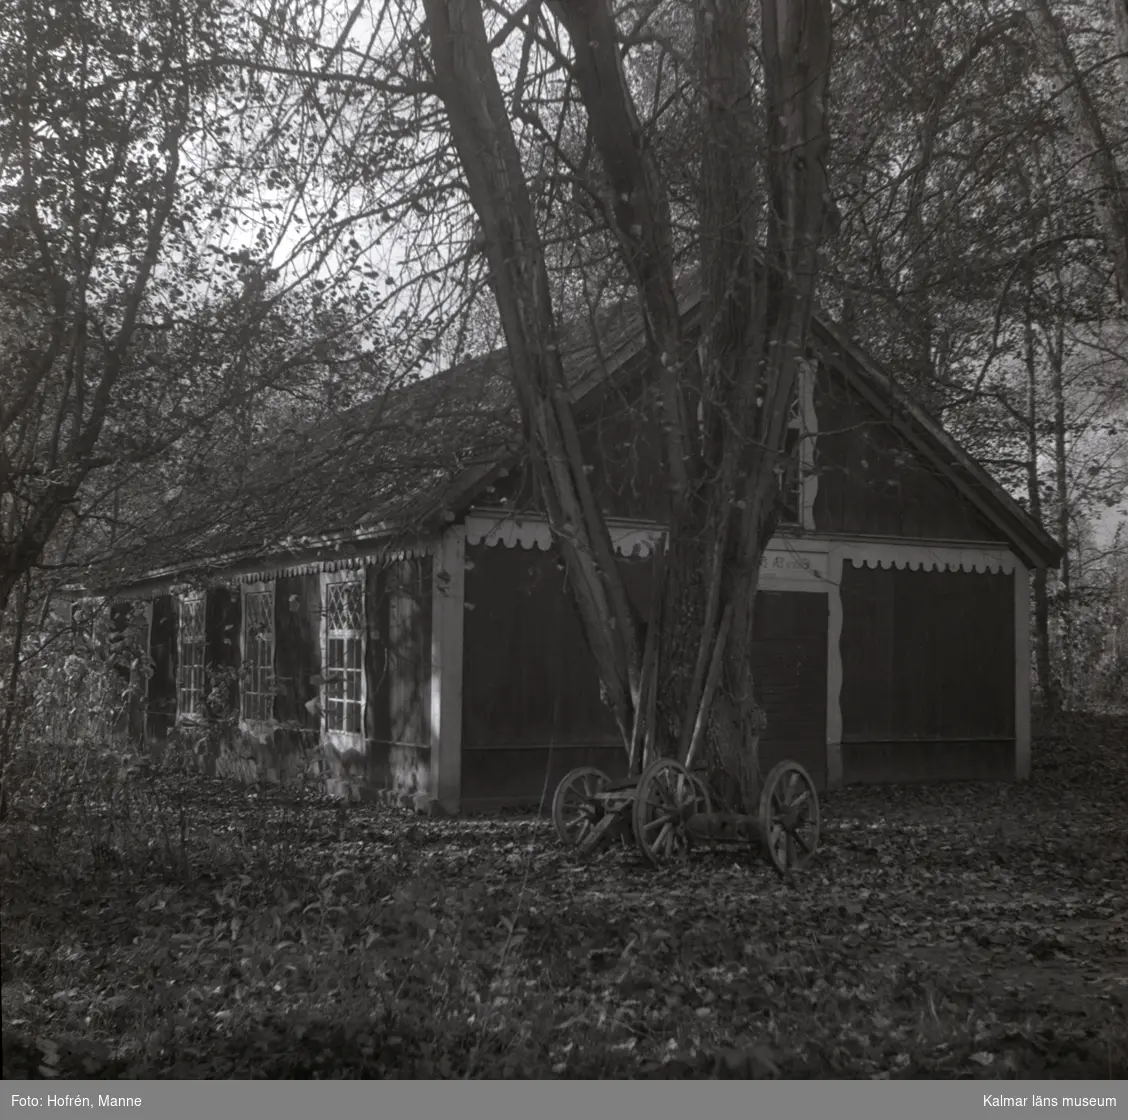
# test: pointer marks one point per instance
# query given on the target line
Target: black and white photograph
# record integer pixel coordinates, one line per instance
(564, 541)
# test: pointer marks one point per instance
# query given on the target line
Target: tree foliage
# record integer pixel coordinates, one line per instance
(163, 290)
(219, 220)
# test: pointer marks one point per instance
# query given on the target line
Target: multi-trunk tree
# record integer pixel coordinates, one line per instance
(721, 400)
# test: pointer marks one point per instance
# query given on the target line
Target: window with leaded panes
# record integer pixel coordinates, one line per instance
(191, 647)
(343, 665)
(257, 697)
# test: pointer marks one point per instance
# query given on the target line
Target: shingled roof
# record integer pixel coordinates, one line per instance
(404, 463)
(396, 465)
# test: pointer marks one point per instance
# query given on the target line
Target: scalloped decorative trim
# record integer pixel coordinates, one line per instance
(929, 558)
(632, 539)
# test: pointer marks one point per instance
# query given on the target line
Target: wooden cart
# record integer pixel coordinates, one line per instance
(668, 808)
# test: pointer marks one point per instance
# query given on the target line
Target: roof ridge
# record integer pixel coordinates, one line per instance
(441, 432)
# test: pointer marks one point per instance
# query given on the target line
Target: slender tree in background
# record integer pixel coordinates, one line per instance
(949, 248)
(91, 193)
(1118, 10)
(1109, 187)
(155, 283)
(161, 299)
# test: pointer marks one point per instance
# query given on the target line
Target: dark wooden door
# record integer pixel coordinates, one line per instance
(789, 635)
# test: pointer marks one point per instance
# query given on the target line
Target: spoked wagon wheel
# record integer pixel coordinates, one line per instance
(667, 796)
(575, 810)
(789, 816)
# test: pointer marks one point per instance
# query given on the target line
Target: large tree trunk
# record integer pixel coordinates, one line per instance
(739, 386)
(796, 49)
(488, 153)
(640, 216)
(754, 330)
(755, 322)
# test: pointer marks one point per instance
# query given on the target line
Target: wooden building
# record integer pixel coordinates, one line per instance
(395, 616)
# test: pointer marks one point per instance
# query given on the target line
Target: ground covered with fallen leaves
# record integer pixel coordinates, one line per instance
(957, 930)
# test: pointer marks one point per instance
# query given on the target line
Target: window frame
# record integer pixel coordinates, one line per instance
(341, 739)
(802, 418)
(256, 587)
(184, 714)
